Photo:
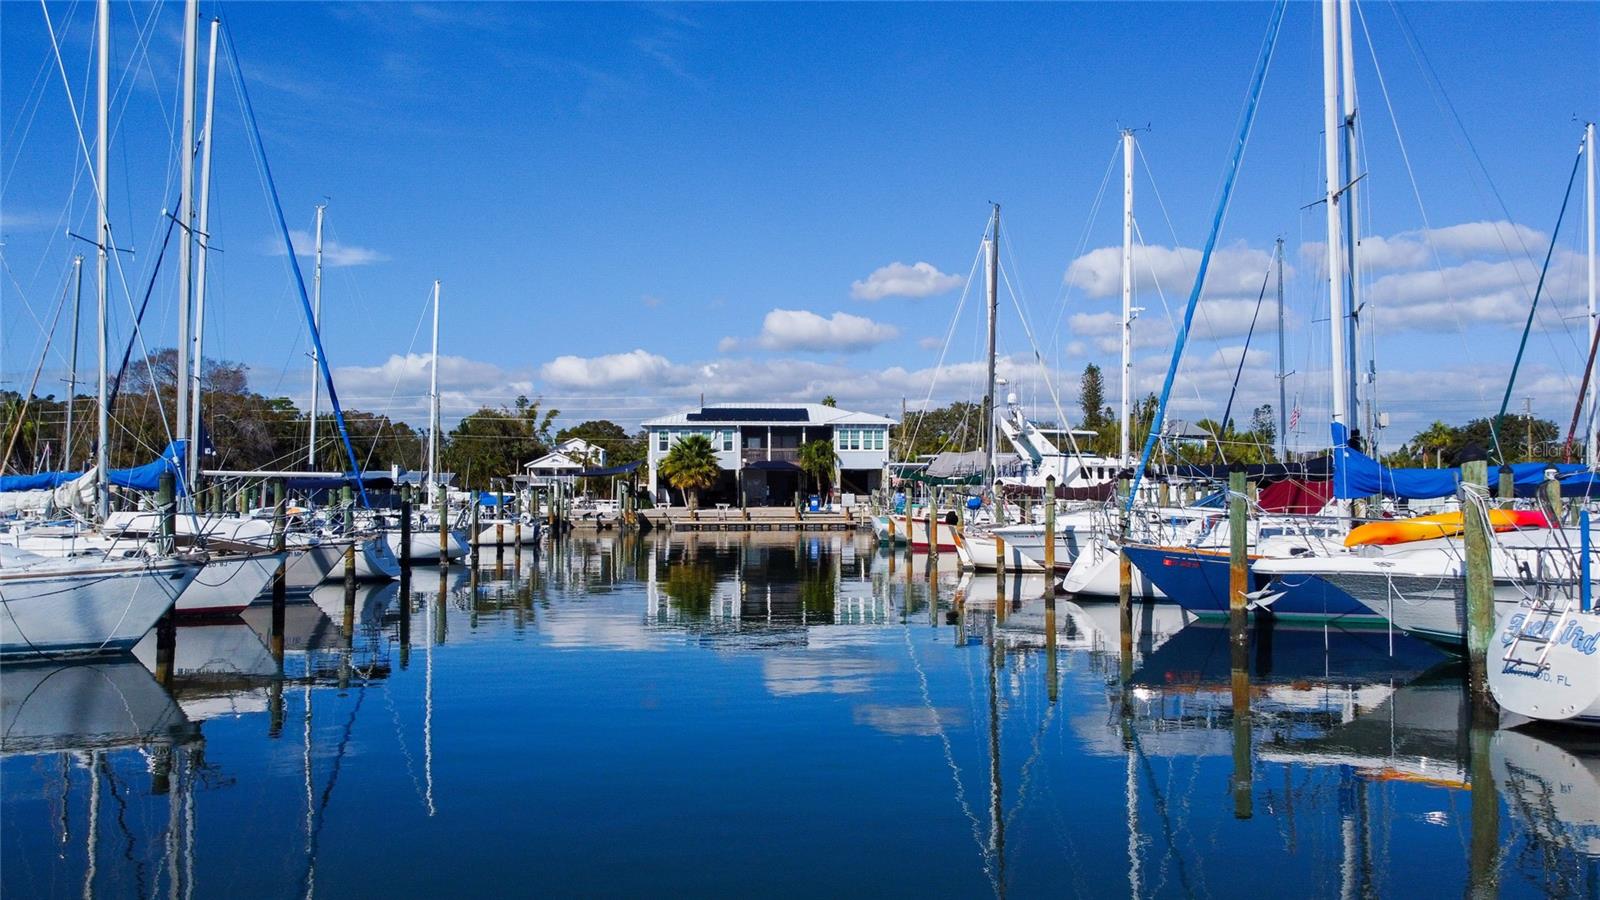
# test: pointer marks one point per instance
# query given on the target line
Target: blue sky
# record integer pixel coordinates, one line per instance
(632, 205)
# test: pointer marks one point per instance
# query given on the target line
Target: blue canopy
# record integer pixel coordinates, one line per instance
(140, 478)
(487, 499)
(1357, 475)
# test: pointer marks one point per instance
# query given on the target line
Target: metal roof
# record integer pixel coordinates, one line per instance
(768, 414)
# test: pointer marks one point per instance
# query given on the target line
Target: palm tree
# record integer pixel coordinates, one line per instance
(1438, 437)
(817, 460)
(691, 466)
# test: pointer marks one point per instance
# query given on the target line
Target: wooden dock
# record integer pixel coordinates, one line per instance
(761, 518)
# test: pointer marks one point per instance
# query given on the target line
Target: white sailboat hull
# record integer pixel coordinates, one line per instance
(980, 551)
(228, 584)
(78, 606)
(1097, 573)
(1566, 687)
(425, 546)
(375, 561)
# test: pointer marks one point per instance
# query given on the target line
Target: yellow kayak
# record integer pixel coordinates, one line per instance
(1450, 524)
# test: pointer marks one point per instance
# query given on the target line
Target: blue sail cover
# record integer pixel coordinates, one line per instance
(1357, 475)
(140, 478)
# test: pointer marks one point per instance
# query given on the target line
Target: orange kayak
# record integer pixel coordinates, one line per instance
(1422, 528)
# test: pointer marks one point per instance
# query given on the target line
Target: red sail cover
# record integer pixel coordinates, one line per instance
(1293, 495)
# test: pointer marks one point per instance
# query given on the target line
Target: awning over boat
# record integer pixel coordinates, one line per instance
(1357, 475)
(964, 468)
(1096, 492)
(624, 469)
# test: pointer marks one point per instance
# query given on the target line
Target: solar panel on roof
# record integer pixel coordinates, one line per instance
(749, 414)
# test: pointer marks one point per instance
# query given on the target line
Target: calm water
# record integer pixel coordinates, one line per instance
(773, 714)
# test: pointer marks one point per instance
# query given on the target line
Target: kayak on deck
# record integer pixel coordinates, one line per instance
(1450, 524)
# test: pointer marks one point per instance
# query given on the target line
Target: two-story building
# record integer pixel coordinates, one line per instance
(757, 446)
(563, 463)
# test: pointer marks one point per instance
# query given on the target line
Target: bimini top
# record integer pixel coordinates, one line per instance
(768, 414)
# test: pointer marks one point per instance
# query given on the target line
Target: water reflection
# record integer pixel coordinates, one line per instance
(758, 691)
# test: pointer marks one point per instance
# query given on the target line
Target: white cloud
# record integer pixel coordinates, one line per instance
(1420, 248)
(900, 280)
(930, 342)
(727, 345)
(603, 371)
(1235, 270)
(800, 329)
(335, 254)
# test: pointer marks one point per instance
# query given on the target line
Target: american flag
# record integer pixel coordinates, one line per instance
(1294, 418)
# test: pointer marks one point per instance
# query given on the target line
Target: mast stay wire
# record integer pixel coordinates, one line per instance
(110, 236)
(1064, 292)
(948, 337)
(1463, 138)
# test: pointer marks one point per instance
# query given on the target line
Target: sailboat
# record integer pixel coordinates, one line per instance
(101, 603)
(1038, 462)
(426, 541)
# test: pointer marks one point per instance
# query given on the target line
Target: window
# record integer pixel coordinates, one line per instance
(662, 437)
(727, 440)
(877, 438)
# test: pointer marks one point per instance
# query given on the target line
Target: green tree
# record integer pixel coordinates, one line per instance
(620, 446)
(817, 459)
(495, 442)
(1263, 425)
(956, 427)
(829, 401)
(1437, 439)
(1092, 397)
(691, 467)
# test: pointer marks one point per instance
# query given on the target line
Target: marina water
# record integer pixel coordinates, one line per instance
(778, 713)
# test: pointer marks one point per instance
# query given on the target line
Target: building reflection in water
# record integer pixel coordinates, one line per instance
(1018, 702)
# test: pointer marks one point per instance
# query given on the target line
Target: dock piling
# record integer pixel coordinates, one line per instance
(1238, 539)
(1050, 534)
(1480, 575)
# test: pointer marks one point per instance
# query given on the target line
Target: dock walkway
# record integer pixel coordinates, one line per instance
(760, 518)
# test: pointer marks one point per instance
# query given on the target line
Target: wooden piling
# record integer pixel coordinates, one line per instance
(1507, 486)
(280, 540)
(166, 502)
(909, 532)
(1480, 577)
(1552, 494)
(1124, 565)
(473, 543)
(1242, 760)
(166, 648)
(1050, 534)
(1238, 540)
(500, 525)
(1000, 561)
(405, 535)
(933, 530)
(444, 526)
(1483, 854)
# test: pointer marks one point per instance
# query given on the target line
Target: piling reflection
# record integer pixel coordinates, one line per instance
(1036, 741)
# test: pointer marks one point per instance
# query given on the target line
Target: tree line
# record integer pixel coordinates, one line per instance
(251, 431)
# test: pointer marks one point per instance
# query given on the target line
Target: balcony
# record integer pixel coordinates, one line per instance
(779, 454)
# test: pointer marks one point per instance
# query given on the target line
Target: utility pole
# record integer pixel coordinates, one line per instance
(1527, 418)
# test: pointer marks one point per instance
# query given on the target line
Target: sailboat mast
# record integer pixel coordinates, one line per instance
(433, 399)
(1124, 422)
(1283, 377)
(1330, 146)
(316, 322)
(1360, 407)
(992, 283)
(103, 240)
(204, 237)
(191, 15)
(72, 366)
(1591, 452)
